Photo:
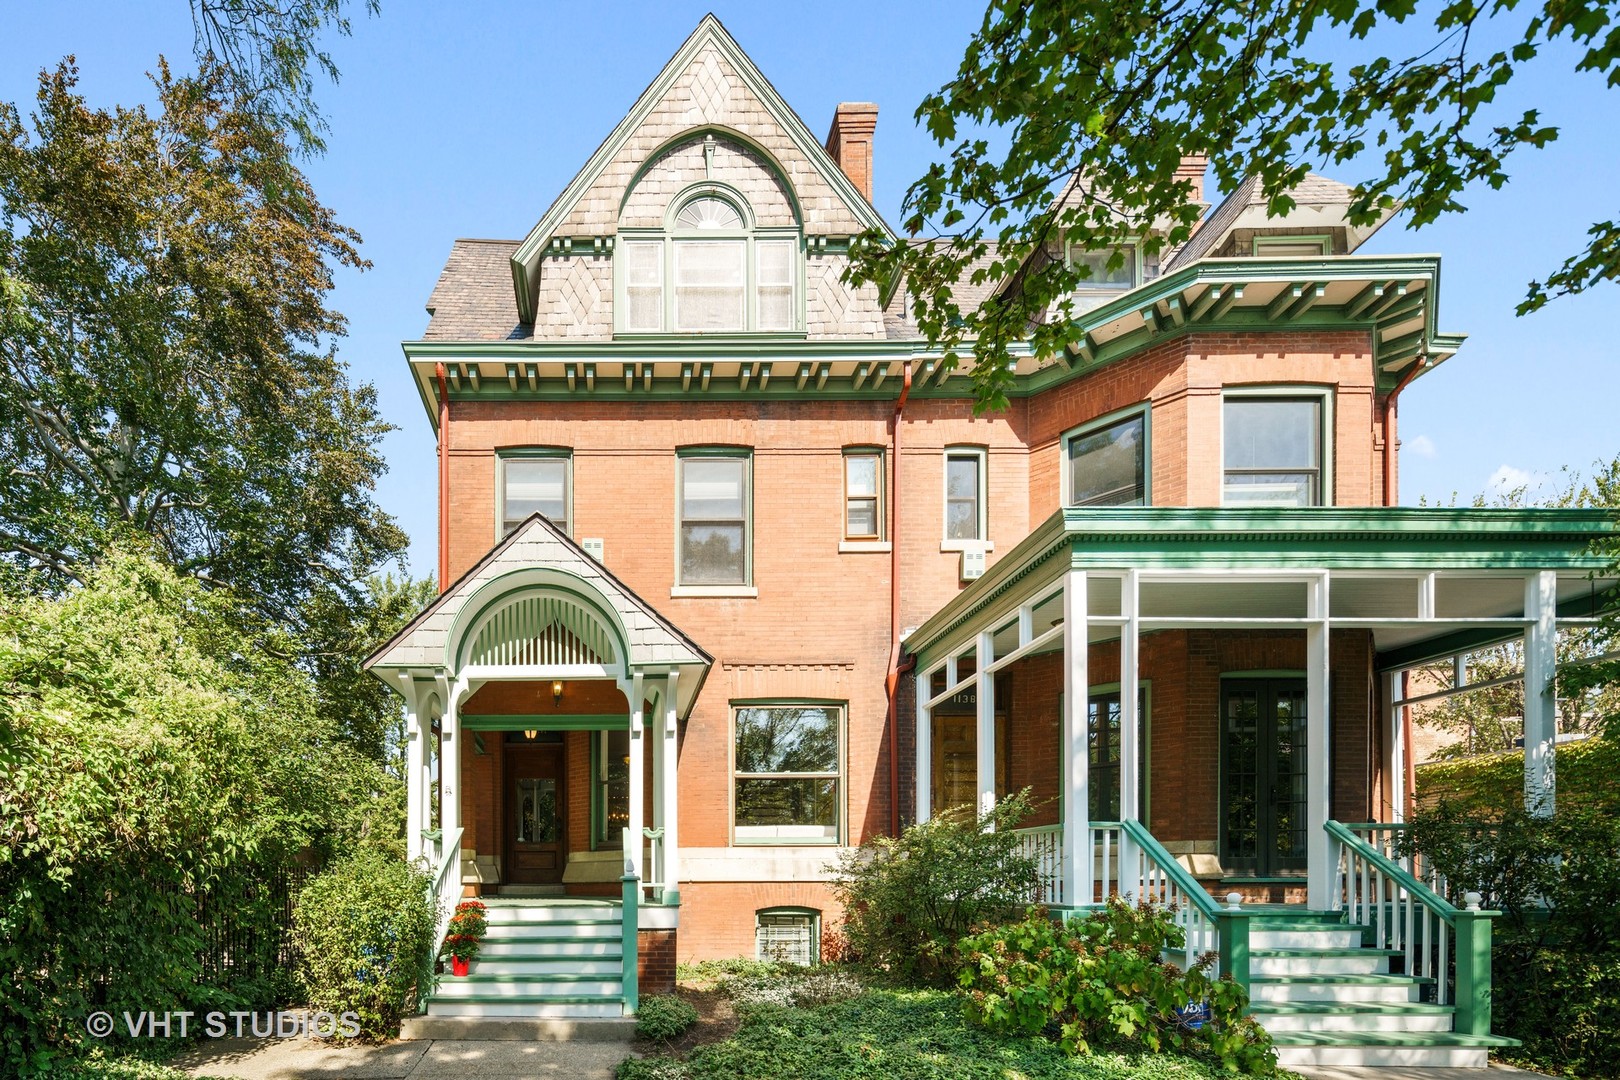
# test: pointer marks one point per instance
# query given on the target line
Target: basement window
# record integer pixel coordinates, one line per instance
(787, 935)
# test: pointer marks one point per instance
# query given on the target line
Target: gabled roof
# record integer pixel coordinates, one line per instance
(1318, 200)
(534, 545)
(710, 34)
(472, 300)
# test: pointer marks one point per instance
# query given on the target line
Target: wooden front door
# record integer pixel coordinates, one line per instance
(533, 807)
(1263, 776)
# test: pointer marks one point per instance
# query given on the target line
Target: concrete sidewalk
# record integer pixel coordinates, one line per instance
(1492, 1072)
(308, 1059)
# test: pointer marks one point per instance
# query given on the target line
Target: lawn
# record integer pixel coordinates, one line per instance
(892, 1035)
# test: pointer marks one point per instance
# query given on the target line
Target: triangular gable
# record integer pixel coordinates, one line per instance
(709, 81)
(536, 544)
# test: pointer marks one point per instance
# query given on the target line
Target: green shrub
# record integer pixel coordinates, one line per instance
(665, 1017)
(1556, 949)
(907, 1035)
(1586, 774)
(365, 932)
(1101, 980)
(908, 900)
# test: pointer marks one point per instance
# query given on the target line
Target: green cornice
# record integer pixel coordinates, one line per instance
(709, 30)
(1417, 539)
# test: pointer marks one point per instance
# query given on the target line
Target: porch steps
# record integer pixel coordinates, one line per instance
(542, 959)
(1327, 1001)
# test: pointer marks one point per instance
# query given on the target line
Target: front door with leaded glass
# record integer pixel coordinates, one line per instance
(534, 806)
(1263, 777)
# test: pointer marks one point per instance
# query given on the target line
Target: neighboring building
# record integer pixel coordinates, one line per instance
(695, 489)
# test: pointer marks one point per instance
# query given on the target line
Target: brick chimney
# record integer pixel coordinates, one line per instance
(1192, 169)
(850, 142)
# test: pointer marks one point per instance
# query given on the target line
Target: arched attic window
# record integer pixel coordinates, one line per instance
(710, 270)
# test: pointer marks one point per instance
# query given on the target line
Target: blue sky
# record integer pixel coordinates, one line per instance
(467, 119)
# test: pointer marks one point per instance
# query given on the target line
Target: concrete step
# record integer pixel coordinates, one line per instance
(618, 1029)
(542, 965)
(1331, 1016)
(1413, 1050)
(1387, 988)
(479, 985)
(530, 1006)
(1349, 961)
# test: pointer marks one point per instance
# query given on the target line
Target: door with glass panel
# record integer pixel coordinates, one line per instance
(533, 811)
(1263, 776)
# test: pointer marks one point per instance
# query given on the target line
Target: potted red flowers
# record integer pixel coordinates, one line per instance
(467, 927)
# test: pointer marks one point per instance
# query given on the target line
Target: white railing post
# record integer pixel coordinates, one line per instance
(1130, 753)
(985, 742)
(1318, 750)
(925, 751)
(638, 778)
(670, 864)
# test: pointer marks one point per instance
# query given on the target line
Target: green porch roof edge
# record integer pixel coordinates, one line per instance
(1393, 538)
(709, 29)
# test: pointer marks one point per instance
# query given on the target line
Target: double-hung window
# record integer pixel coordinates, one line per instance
(964, 494)
(709, 271)
(1107, 463)
(529, 482)
(863, 494)
(715, 545)
(787, 773)
(1272, 450)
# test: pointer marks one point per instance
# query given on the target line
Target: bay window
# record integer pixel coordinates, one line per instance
(1107, 463)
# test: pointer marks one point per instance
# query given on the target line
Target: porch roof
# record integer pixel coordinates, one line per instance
(538, 560)
(1233, 545)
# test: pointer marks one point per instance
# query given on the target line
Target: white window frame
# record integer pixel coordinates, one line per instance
(761, 839)
(1323, 394)
(750, 234)
(982, 542)
(745, 588)
(1322, 240)
(1091, 427)
(1087, 286)
(530, 453)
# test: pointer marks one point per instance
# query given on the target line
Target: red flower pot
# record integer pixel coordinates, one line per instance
(458, 966)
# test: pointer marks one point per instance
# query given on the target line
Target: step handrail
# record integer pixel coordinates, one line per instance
(1206, 925)
(1404, 914)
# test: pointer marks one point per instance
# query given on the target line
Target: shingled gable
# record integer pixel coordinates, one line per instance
(538, 544)
(709, 82)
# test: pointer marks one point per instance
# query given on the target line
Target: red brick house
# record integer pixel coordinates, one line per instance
(736, 580)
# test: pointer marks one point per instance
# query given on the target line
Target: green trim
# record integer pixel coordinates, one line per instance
(505, 454)
(545, 722)
(596, 603)
(1462, 641)
(1231, 927)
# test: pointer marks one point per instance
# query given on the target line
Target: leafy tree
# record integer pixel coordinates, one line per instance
(1096, 101)
(267, 51)
(167, 368)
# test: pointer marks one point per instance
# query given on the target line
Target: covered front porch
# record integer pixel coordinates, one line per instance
(1206, 705)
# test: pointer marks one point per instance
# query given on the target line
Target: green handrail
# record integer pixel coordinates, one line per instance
(1231, 924)
(1471, 926)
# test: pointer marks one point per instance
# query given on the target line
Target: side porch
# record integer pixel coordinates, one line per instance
(1206, 706)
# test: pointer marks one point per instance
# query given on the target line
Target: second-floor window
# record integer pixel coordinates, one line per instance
(1272, 451)
(863, 495)
(709, 272)
(529, 482)
(964, 494)
(1107, 463)
(1099, 271)
(715, 546)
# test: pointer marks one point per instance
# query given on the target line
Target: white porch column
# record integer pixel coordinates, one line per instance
(450, 762)
(1540, 701)
(1394, 757)
(633, 840)
(1073, 762)
(415, 803)
(1318, 751)
(985, 743)
(925, 751)
(669, 803)
(1130, 752)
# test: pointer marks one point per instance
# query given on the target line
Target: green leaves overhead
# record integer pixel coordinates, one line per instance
(1067, 121)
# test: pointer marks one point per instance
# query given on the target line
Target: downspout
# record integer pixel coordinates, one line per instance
(1409, 766)
(892, 682)
(444, 479)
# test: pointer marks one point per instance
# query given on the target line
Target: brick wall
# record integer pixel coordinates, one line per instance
(655, 961)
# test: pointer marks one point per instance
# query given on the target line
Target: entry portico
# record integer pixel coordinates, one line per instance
(553, 643)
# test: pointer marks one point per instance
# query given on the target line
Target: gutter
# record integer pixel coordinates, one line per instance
(892, 681)
(1390, 419)
(444, 479)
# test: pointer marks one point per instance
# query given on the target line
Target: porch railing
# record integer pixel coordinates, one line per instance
(445, 886)
(1044, 844)
(653, 863)
(1437, 940)
(1150, 873)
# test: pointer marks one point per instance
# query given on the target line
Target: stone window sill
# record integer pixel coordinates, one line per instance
(851, 547)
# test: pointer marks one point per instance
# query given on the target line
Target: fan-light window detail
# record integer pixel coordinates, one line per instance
(709, 213)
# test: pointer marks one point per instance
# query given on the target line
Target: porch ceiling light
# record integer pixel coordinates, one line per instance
(530, 735)
(556, 693)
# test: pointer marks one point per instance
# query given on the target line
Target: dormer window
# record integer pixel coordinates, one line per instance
(1099, 273)
(710, 271)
